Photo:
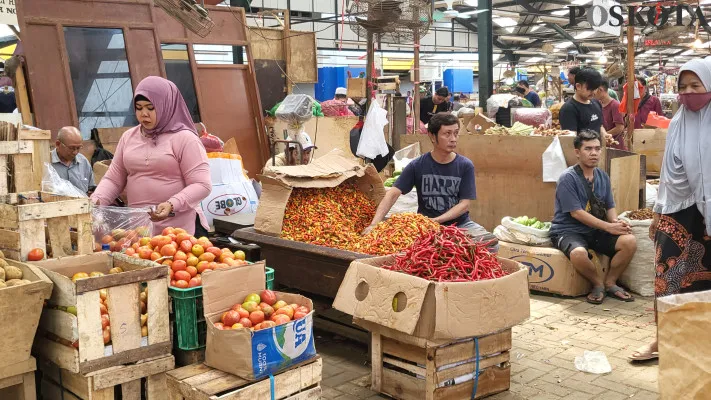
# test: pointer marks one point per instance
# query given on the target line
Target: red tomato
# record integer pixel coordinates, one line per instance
(179, 265)
(35, 255)
(194, 282)
(184, 276)
(181, 284)
(186, 246)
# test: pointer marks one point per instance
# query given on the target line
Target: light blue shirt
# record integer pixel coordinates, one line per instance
(79, 173)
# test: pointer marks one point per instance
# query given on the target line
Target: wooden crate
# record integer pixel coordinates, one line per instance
(200, 382)
(23, 153)
(127, 345)
(147, 376)
(20, 308)
(24, 216)
(17, 381)
(357, 88)
(409, 368)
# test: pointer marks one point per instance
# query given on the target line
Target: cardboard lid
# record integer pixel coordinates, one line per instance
(367, 292)
(328, 171)
(223, 288)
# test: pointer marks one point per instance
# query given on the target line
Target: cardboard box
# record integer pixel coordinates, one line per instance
(651, 143)
(242, 352)
(433, 310)
(481, 120)
(549, 270)
(328, 171)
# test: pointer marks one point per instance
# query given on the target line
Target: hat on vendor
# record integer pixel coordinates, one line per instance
(305, 140)
(341, 91)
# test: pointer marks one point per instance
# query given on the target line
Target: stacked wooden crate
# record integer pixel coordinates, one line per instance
(71, 345)
(58, 225)
(20, 307)
(23, 153)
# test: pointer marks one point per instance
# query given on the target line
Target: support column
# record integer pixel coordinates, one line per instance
(486, 51)
(416, 92)
(631, 81)
(369, 82)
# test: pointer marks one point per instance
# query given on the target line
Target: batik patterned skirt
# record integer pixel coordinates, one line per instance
(683, 253)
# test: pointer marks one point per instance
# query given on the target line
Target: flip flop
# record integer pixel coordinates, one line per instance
(597, 291)
(613, 290)
(644, 353)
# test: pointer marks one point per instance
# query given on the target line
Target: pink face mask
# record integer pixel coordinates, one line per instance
(695, 101)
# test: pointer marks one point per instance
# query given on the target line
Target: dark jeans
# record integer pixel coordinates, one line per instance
(199, 230)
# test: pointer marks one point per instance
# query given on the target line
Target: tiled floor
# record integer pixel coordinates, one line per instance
(544, 348)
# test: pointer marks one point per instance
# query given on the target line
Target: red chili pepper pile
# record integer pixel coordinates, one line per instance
(395, 234)
(448, 255)
(333, 217)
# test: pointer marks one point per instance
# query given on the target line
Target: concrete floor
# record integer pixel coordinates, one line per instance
(544, 348)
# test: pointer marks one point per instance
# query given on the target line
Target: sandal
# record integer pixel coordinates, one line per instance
(597, 295)
(644, 353)
(618, 293)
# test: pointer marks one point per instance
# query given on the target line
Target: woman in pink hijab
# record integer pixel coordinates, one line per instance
(161, 163)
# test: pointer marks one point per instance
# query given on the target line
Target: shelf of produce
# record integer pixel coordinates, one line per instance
(311, 268)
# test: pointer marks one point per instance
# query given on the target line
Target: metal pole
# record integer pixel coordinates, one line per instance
(369, 72)
(416, 90)
(486, 52)
(631, 81)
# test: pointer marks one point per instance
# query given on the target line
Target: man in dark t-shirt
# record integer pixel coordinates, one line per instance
(432, 105)
(530, 94)
(585, 218)
(583, 112)
(444, 181)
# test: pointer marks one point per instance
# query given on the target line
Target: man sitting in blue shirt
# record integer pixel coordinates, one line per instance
(585, 218)
(529, 94)
(444, 181)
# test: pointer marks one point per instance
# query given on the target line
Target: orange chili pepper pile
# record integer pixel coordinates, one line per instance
(448, 255)
(333, 217)
(395, 234)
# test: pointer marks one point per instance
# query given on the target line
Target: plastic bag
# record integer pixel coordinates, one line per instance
(295, 109)
(513, 236)
(212, 143)
(405, 155)
(55, 184)
(553, 161)
(533, 116)
(120, 227)
(594, 362)
(372, 141)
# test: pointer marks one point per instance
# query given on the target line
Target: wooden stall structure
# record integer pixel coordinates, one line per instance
(226, 93)
(282, 55)
(17, 381)
(509, 175)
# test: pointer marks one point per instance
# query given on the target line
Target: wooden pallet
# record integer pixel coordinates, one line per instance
(147, 376)
(85, 329)
(409, 368)
(200, 382)
(17, 381)
(24, 217)
(23, 153)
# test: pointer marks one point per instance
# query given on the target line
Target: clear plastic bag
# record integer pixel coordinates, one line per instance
(295, 109)
(405, 155)
(120, 227)
(534, 117)
(55, 184)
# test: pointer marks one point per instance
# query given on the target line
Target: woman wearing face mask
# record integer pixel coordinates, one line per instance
(682, 218)
(161, 162)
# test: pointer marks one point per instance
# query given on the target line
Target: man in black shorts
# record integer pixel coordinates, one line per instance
(585, 218)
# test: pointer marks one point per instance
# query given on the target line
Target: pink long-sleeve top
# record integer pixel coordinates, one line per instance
(172, 167)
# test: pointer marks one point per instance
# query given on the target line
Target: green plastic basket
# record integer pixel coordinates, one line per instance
(190, 328)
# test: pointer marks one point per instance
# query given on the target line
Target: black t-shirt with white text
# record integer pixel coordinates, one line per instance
(576, 116)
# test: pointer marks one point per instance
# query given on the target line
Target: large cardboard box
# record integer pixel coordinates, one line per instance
(433, 310)
(549, 270)
(328, 171)
(242, 352)
(482, 121)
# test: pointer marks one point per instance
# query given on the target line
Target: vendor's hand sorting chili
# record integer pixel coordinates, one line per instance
(444, 180)
(161, 162)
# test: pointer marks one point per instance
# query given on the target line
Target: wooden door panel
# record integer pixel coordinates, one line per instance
(53, 102)
(228, 113)
(142, 54)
